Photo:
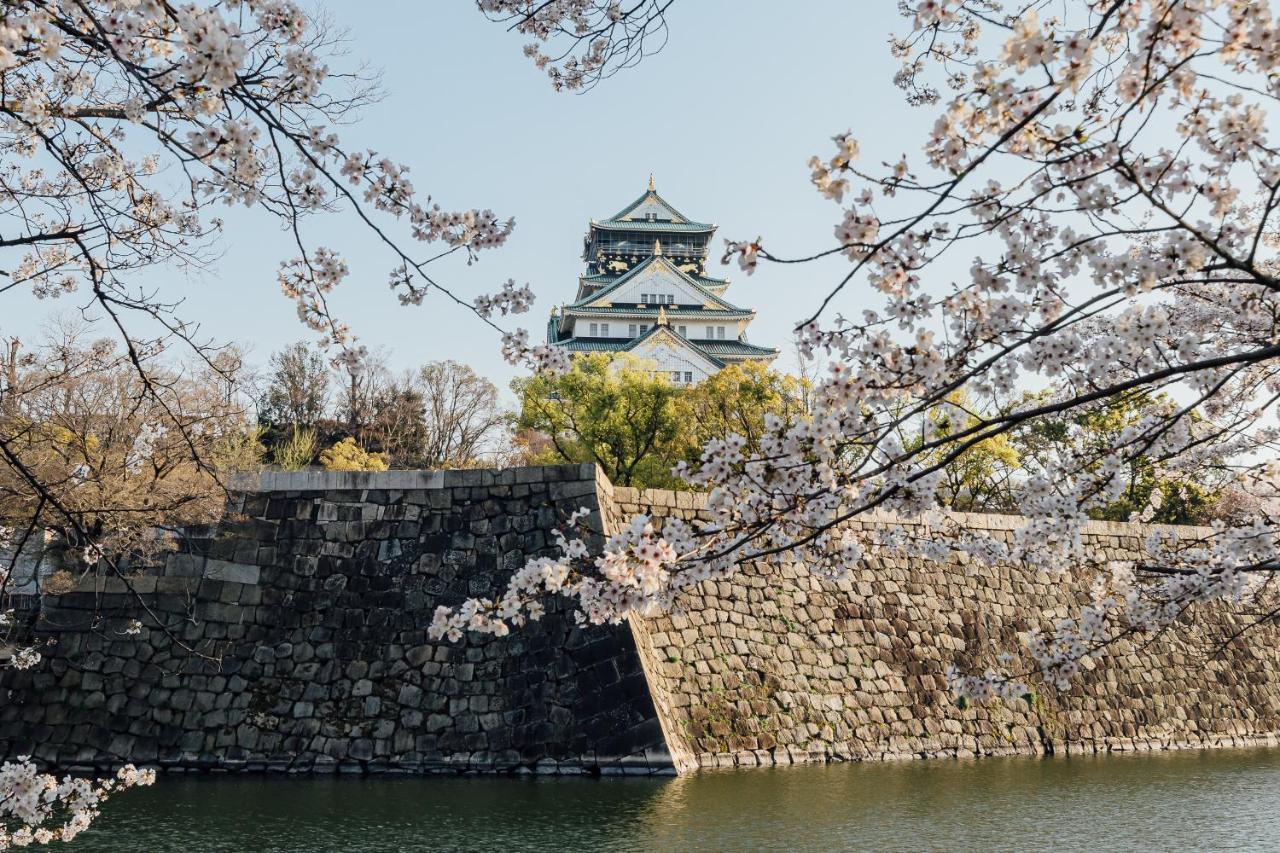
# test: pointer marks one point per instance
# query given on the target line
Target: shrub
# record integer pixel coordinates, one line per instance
(346, 455)
(297, 451)
(58, 583)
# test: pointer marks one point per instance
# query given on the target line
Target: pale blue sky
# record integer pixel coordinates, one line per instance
(725, 118)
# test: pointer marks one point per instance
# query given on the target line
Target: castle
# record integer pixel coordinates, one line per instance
(646, 292)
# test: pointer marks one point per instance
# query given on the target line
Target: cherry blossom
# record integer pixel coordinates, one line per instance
(38, 808)
(1095, 213)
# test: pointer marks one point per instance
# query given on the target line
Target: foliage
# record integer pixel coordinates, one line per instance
(297, 389)
(617, 413)
(297, 451)
(984, 477)
(441, 415)
(1149, 491)
(346, 455)
(464, 417)
(398, 423)
(1095, 212)
(92, 453)
(991, 474)
(627, 418)
(738, 401)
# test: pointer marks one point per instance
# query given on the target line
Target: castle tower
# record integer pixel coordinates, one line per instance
(645, 291)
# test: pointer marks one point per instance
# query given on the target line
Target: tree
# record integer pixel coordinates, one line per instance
(1095, 211)
(985, 478)
(627, 418)
(464, 419)
(128, 127)
(92, 454)
(297, 392)
(1148, 491)
(738, 401)
(362, 377)
(398, 426)
(94, 460)
(618, 413)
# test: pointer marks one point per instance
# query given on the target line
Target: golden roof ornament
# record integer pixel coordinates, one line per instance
(651, 182)
(662, 315)
(657, 248)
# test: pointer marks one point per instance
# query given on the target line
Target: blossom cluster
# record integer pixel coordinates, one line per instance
(230, 96)
(511, 299)
(540, 358)
(1104, 256)
(38, 808)
(588, 39)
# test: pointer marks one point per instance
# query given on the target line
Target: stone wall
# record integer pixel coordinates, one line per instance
(304, 618)
(775, 666)
(293, 638)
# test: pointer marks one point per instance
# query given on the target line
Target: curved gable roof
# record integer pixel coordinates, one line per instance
(657, 333)
(667, 267)
(652, 203)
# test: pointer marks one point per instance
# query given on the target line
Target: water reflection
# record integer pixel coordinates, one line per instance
(1220, 800)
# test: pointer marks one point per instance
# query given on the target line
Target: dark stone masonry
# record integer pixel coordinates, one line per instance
(293, 638)
(305, 614)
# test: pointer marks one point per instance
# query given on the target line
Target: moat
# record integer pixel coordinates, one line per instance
(1219, 799)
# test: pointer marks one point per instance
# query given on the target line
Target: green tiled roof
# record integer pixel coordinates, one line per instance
(643, 225)
(713, 350)
(651, 196)
(652, 259)
(599, 278)
(674, 314)
(593, 344)
(734, 348)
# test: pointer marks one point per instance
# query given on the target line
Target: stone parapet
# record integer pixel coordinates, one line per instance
(774, 666)
(292, 637)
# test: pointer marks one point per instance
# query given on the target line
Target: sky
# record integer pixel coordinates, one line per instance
(725, 118)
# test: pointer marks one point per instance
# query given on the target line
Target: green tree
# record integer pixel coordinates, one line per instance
(737, 400)
(626, 417)
(616, 412)
(1091, 434)
(988, 477)
(983, 478)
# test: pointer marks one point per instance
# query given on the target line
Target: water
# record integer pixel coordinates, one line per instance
(1221, 800)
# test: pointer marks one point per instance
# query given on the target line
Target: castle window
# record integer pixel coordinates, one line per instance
(644, 299)
(683, 330)
(688, 376)
(711, 332)
(643, 328)
(594, 330)
(631, 330)
(720, 332)
(604, 330)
